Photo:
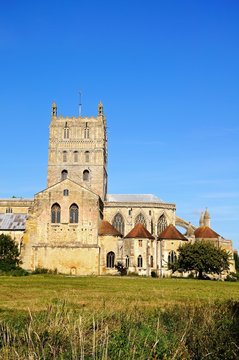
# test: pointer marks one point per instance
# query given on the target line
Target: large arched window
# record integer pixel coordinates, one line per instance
(55, 213)
(110, 259)
(118, 223)
(64, 156)
(87, 156)
(140, 261)
(64, 174)
(162, 224)
(76, 156)
(141, 219)
(127, 261)
(86, 175)
(74, 214)
(172, 257)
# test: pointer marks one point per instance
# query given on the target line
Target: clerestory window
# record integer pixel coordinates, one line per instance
(141, 219)
(118, 223)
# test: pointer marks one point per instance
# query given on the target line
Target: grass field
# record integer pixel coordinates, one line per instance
(36, 292)
(57, 317)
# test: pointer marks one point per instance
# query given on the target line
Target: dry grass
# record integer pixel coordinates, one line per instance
(57, 317)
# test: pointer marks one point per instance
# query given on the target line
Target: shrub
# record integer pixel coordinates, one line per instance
(44, 271)
(231, 277)
(154, 274)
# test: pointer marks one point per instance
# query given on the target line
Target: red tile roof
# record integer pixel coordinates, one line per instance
(171, 233)
(106, 228)
(139, 231)
(205, 232)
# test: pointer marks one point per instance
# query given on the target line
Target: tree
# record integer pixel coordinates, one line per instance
(236, 258)
(9, 254)
(202, 257)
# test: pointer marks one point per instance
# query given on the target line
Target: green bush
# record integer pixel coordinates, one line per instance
(154, 274)
(17, 271)
(232, 277)
(44, 271)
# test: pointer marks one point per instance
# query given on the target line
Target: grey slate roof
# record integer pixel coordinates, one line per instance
(13, 221)
(148, 198)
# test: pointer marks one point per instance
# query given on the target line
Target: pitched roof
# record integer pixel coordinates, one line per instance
(106, 228)
(205, 232)
(171, 233)
(9, 221)
(139, 231)
(149, 198)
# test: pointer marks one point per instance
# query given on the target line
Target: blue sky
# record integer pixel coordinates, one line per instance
(167, 73)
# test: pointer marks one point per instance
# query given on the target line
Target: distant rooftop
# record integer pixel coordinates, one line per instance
(149, 198)
(13, 221)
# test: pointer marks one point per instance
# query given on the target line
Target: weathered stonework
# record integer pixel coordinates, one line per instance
(62, 227)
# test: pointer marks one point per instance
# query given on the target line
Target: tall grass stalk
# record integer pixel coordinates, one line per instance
(199, 331)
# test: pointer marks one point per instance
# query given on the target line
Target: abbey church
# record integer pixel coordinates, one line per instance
(75, 227)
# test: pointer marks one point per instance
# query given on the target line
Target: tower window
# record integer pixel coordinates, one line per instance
(86, 133)
(66, 132)
(74, 214)
(140, 261)
(87, 156)
(55, 213)
(86, 175)
(110, 259)
(64, 174)
(64, 156)
(76, 156)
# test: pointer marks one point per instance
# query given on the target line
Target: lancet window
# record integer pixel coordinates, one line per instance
(172, 257)
(162, 224)
(76, 156)
(64, 156)
(110, 259)
(140, 219)
(86, 133)
(127, 261)
(118, 223)
(140, 261)
(66, 131)
(55, 213)
(74, 214)
(87, 156)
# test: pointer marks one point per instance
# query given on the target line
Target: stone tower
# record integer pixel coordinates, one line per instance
(78, 150)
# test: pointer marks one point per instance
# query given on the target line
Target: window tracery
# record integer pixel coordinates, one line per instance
(74, 214)
(162, 224)
(110, 259)
(55, 213)
(140, 261)
(118, 223)
(140, 219)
